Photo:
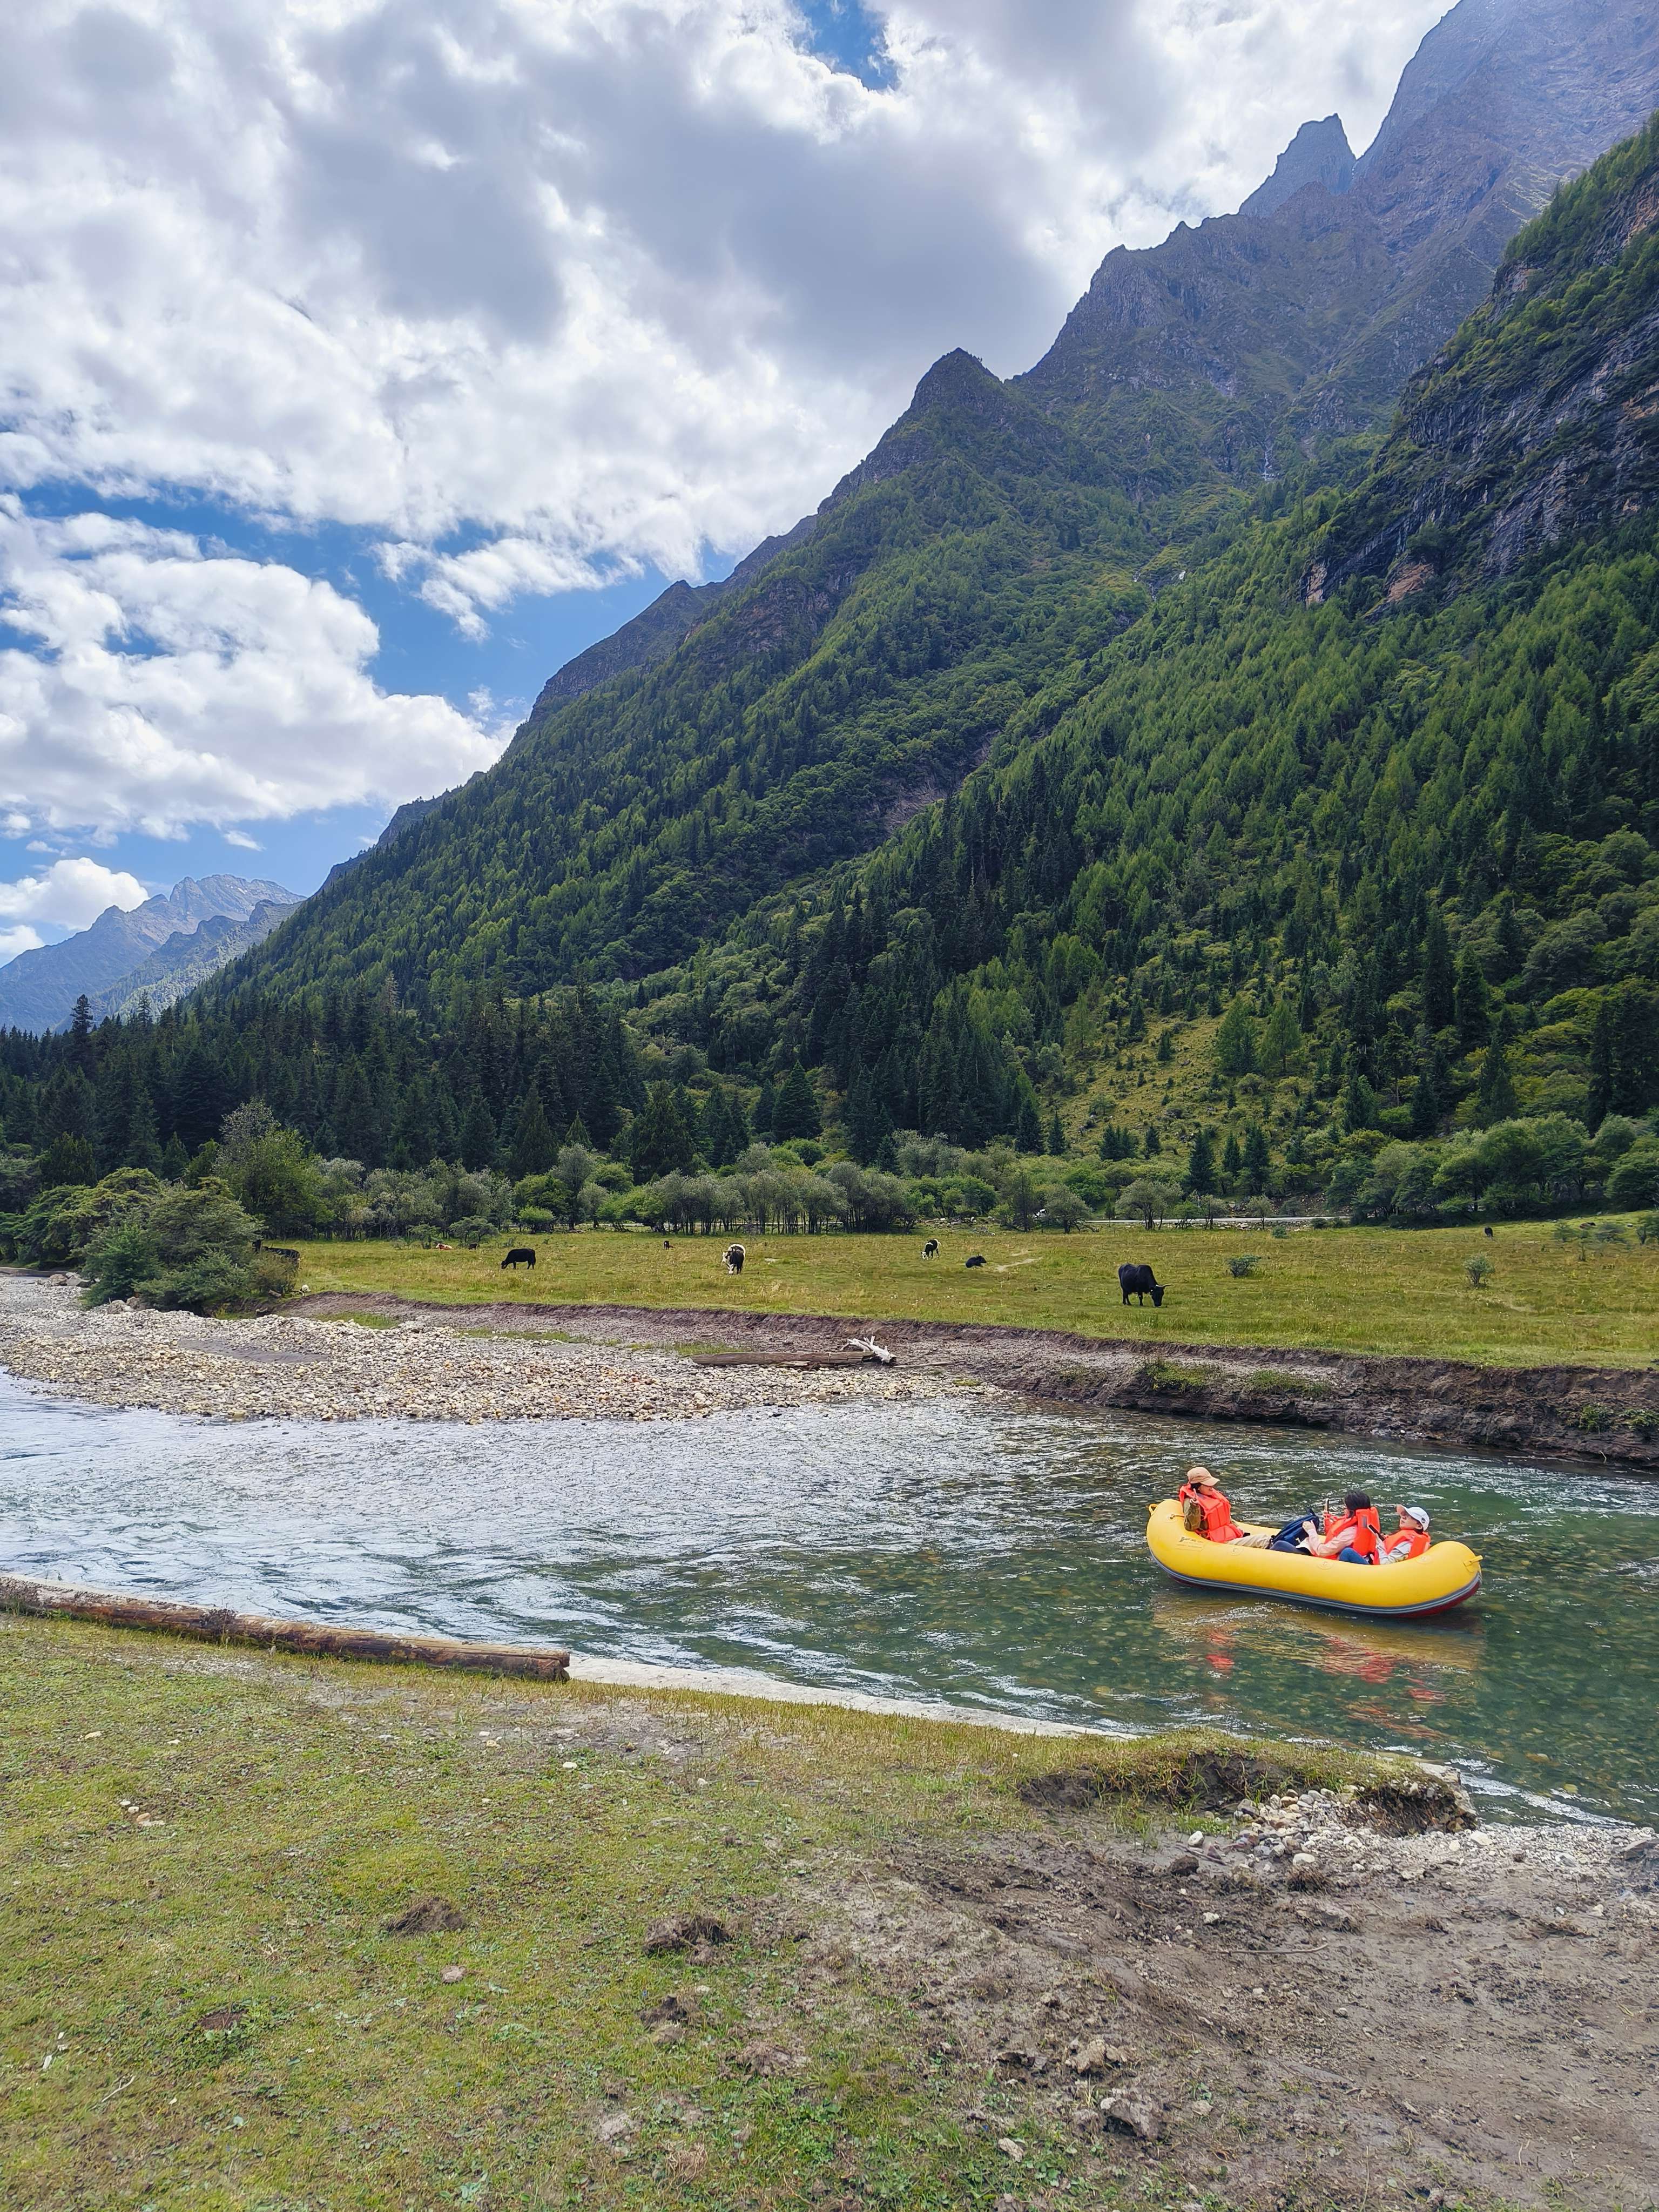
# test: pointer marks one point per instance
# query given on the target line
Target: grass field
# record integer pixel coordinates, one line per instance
(1348, 1289)
(200, 2001)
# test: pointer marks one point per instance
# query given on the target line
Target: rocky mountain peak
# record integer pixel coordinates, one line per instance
(1318, 154)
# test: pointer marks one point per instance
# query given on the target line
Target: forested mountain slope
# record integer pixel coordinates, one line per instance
(737, 738)
(1405, 837)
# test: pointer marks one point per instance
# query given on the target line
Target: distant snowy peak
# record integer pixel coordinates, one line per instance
(38, 989)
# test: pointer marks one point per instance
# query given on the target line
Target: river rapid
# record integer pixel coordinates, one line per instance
(979, 1554)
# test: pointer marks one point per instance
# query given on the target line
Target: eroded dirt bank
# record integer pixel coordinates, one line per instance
(1610, 1414)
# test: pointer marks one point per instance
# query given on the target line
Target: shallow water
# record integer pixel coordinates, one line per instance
(993, 1557)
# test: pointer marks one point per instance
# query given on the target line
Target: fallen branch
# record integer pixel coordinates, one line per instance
(315, 1638)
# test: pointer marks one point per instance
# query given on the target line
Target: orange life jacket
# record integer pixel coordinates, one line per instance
(1407, 1544)
(1361, 1532)
(1217, 1513)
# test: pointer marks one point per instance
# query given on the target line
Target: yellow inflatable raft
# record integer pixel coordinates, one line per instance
(1444, 1575)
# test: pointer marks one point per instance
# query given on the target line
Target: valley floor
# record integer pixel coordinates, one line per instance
(278, 1933)
(1392, 1292)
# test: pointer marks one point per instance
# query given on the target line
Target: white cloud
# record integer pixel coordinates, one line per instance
(20, 939)
(243, 843)
(166, 686)
(597, 282)
(67, 895)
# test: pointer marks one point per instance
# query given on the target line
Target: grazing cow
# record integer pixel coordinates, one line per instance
(520, 1256)
(734, 1256)
(1138, 1282)
(977, 1260)
(930, 1249)
(1488, 1229)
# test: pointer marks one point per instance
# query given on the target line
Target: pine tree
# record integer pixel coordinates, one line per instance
(353, 1115)
(869, 1125)
(1431, 1096)
(79, 1031)
(764, 1107)
(67, 1160)
(410, 1144)
(796, 1111)
(1235, 1041)
(534, 1150)
(1495, 1099)
(478, 1137)
(127, 1117)
(1232, 1160)
(1471, 1002)
(1256, 1164)
(1438, 984)
(661, 1140)
(201, 1097)
(1151, 1144)
(1056, 1136)
(1201, 1162)
(1027, 1120)
(1281, 1039)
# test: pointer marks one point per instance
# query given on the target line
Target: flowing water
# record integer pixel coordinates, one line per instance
(989, 1556)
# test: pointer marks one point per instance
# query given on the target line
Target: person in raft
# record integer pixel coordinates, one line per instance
(1354, 1534)
(1411, 1539)
(1204, 1512)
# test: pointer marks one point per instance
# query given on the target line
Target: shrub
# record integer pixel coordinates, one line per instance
(179, 1247)
(1167, 1375)
(1642, 1421)
(472, 1229)
(1647, 1229)
(1477, 1268)
(1243, 1263)
(1593, 1420)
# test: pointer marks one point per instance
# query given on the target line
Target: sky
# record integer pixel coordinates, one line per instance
(361, 361)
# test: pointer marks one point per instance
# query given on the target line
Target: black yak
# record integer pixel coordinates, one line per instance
(520, 1256)
(1136, 1281)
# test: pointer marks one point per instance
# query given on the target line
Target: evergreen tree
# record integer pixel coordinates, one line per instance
(764, 1107)
(1438, 986)
(869, 1125)
(353, 1115)
(1027, 1120)
(478, 1137)
(1201, 1162)
(1471, 1002)
(1281, 1039)
(1255, 1162)
(1495, 1099)
(411, 1143)
(1235, 1041)
(796, 1111)
(67, 1160)
(1232, 1161)
(201, 1097)
(1151, 1143)
(1433, 1095)
(81, 1054)
(661, 1140)
(1056, 1136)
(534, 1150)
(127, 1117)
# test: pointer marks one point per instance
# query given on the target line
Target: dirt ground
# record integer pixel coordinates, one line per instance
(1436, 2018)
(1551, 1411)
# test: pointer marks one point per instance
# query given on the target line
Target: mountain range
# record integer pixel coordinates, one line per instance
(165, 947)
(740, 736)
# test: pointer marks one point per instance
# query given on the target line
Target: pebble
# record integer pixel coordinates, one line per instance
(286, 1367)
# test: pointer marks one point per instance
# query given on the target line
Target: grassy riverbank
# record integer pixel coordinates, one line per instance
(199, 2000)
(1346, 1290)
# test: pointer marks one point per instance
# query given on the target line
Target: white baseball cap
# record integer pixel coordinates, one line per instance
(1416, 1513)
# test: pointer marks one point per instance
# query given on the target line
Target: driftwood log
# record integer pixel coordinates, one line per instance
(211, 1624)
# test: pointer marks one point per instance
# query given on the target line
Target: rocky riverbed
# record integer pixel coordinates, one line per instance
(287, 1366)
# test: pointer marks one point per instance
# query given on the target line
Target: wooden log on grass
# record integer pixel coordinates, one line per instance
(208, 1624)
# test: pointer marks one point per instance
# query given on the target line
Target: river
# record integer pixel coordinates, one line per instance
(988, 1556)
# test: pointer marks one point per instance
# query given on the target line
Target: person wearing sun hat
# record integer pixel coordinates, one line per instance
(1211, 1512)
(1411, 1539)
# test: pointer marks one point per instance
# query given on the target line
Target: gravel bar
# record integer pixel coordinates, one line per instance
(286, 1367)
